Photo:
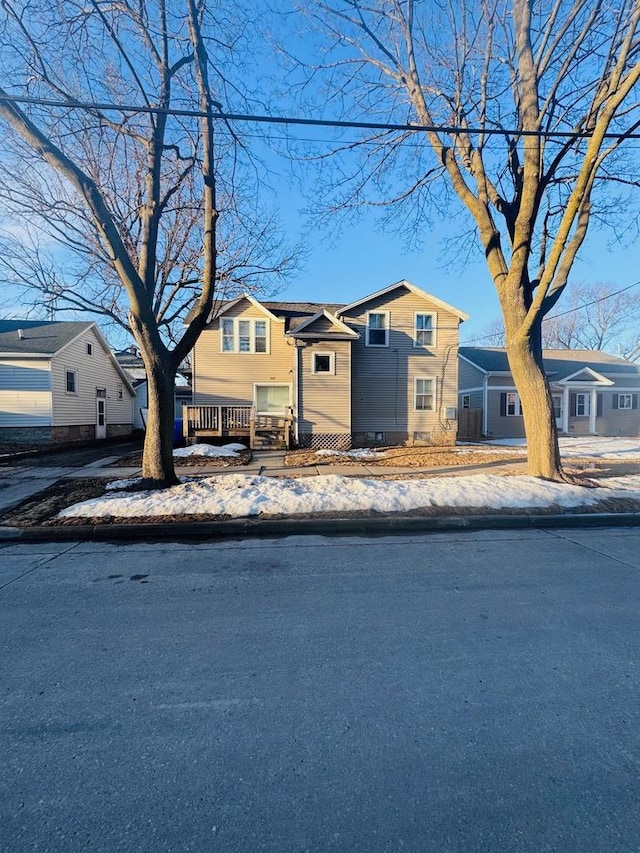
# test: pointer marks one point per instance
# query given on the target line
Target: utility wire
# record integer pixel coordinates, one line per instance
(310, 122)
(564, 313)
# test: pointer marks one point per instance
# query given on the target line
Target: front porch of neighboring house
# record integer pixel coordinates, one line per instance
(577, 403)
(263, 430)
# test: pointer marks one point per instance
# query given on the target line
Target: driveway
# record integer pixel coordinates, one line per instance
(454, 692)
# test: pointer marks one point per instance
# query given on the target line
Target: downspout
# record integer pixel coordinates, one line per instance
(296, 396)
(485, 415)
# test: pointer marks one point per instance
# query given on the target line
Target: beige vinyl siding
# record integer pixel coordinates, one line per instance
(468, 375)
(227, 378)
(93, 371)
(383, 377)
(25, 396)
(322, 324)
(324, 398)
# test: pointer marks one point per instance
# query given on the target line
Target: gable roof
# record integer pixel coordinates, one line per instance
(45, 338)
(225, 306)
(560, 364)
(338, 329)
(38, 337)
(412, 287)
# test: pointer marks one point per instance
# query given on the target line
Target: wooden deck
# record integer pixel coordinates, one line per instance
(236, 422)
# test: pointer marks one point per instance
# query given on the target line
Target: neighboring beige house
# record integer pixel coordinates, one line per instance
(594, 393)
(59, 381)
(381, 370)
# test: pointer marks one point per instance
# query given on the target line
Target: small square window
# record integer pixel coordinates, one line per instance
(71, 382)
(323, 362)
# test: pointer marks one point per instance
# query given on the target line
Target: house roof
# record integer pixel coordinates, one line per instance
(558, 363)
(38, 337)
(412, 287)
(338, 330)
(47, 337)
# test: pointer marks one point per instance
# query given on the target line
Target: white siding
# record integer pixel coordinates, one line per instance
(93, 371)
(25, 397)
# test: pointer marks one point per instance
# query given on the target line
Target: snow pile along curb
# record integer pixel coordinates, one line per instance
(244, 496)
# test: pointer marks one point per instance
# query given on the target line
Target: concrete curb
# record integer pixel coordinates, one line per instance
(263, 527)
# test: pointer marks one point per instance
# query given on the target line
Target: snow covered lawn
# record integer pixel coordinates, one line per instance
(230, 450)
(242, 495)
(582, 447)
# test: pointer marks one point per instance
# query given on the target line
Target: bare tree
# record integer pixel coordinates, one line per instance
(593, 317)
(494, 84)
(145, 198)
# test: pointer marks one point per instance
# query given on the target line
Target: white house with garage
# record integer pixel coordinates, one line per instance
(60, 382)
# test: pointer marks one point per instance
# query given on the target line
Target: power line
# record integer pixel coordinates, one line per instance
(564, 313)
(310, 122)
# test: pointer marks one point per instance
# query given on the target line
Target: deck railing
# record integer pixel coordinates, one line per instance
(230, 420)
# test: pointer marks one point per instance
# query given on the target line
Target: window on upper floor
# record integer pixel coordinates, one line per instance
(89, 349)
(424, 396)
(424, 333)
(377, 329)
(238, 335)
(324, 362)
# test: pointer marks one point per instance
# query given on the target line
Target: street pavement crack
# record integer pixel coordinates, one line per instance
(591, 549)
(45, 562)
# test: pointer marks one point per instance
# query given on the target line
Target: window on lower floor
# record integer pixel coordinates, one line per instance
(424, 394)
(466, 401)
(625, 401)
(71, 381)
(513, 405)
(583, 405)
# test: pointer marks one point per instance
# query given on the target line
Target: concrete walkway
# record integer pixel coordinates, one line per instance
(20, 482)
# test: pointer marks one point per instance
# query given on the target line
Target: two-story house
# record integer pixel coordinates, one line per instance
(380, 370)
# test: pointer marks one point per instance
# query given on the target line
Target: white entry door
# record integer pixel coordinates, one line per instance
(101, 416)
(557, 408)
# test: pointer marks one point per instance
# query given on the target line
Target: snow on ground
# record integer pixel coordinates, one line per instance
(243, 495)
(361, 455)
(596, 447)
(209, 450)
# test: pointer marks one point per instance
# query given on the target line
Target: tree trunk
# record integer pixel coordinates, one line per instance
(158, 471)
(543, 455)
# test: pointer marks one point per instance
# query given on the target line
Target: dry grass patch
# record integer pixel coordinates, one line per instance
(409, 457)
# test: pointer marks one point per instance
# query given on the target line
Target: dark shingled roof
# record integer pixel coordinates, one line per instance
(38, 336)
(558, 363)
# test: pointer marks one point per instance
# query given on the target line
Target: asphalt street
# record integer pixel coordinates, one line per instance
(470, 691)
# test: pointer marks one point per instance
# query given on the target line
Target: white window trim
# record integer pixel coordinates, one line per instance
(587, 404)
(386, 330)
(517, 413)
(271, 384)
(466, 397)
(628, 398)
(416, 379)
(68, 370)
(434, 323)
(332, 363)
(252, 332)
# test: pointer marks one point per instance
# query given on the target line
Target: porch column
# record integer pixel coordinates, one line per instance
(593, 408)
(565, 409)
